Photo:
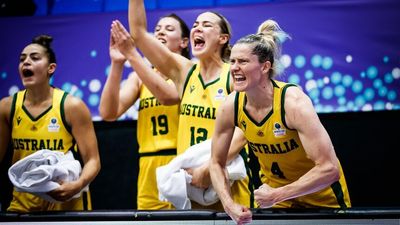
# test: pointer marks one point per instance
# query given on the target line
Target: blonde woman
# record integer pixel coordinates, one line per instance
(294, 150)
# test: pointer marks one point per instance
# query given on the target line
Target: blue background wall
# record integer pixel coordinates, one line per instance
(345, 54)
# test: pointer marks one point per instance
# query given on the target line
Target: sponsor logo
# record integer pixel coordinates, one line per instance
(53, 125)
(244, 124)
(19, 119)
(192, 87)
(278, 130)
(220, 95)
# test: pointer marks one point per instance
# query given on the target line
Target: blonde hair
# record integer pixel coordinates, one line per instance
(267, 44)
(268, 25)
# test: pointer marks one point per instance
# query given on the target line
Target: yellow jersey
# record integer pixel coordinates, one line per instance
(157, 125)
(29, 134)
(199, 106)
(281, 155)
(198, 109)
(157, 128)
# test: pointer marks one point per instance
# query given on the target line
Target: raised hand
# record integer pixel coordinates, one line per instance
(115, 55)
(122, 39)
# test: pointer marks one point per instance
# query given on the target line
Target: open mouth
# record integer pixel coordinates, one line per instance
(162, 40)
(27, 72)
(239, 78)
(198, 42)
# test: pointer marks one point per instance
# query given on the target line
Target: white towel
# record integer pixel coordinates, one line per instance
(41, 171)
(173, 181)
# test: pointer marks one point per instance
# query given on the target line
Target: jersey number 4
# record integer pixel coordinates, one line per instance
(277, 171)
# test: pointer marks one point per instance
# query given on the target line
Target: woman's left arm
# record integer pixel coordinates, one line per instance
(79, 118)
(5, 126)
(301, 116)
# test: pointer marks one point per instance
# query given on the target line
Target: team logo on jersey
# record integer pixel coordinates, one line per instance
(53, 125)
(220, 94)
(260, 133)
(279, 131)
(19, 119)
(192, 87)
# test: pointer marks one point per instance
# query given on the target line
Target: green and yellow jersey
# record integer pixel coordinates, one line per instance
(157, 129)
(29, 134)
(281, 155)
(198, 109)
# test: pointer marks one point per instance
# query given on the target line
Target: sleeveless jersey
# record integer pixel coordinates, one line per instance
(157, 124)
(198, 109)
(157, 128)
(199, 106)
(50, 131)
(281, 155)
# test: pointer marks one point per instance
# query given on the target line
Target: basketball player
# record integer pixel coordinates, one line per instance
(157, 123)
(295, 153)
(202, 86)
(44, 117)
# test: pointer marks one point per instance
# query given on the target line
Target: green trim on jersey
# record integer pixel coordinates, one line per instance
(228, 82)
(162, 152)
(43, 113)
(188, 77)
(12, 112)
(85, 201)
(338, 190)
(38, 117)
(251, 118)
(209, 84)
(62, 112)
(283, 113)
(249, 173)
(236, 106)
(30, 115)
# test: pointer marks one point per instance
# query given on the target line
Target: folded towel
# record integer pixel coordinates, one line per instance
(173, 181)
(41, 171)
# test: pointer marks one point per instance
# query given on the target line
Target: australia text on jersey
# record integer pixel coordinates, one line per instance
(198, 111)
(278, 148)
(148, 102)
(37, 144)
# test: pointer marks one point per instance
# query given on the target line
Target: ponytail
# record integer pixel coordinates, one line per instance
(267, 44)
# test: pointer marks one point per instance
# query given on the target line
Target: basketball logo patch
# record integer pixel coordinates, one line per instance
(278, 130)
(53, 125)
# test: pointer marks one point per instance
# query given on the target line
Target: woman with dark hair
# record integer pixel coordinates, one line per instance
(42, 116)
(202, 85)
(157, 124)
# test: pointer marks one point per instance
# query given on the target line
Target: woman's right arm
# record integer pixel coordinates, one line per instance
(114, 100)
(168, 63)
(5, 128)
(223, 134)
(165, 92)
